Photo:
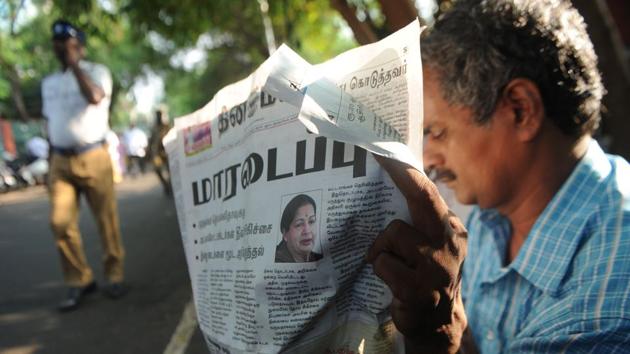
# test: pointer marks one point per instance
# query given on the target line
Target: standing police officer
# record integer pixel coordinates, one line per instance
(76, 104)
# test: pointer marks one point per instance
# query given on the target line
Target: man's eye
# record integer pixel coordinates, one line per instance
(438, 133)
(434, 132)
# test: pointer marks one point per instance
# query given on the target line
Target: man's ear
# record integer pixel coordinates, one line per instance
(522, 102)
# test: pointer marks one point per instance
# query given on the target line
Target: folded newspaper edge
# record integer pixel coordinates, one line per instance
(303, 85)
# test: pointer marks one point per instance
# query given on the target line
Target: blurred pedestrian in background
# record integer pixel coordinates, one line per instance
(114, 149)
(136, 143)
(158, 154)
(35, 169)
(76, 103)
(36, 148)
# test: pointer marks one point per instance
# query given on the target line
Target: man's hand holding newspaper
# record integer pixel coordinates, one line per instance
(422, 264)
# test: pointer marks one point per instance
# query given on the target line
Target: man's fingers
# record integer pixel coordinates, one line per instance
(415, 319)
(399, 277)
(400, 239)
(406, 319)
(406, 178)
(426, 206)
(417, 188)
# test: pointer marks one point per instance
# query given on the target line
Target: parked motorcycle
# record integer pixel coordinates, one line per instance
(8, 180)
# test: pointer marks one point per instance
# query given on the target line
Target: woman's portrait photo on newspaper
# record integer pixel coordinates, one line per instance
(299, 228)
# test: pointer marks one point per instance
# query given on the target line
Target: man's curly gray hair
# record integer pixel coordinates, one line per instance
(479, 46)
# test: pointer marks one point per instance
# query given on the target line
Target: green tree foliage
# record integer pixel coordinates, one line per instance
(26, 55)
(131, 36)
(238, 43)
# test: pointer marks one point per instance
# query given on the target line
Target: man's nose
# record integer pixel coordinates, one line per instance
(431, 156)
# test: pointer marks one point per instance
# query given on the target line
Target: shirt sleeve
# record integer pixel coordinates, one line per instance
(44, 103)
(101, 76)
(615, 339)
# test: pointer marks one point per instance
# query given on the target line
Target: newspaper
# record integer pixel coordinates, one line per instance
(278, 198)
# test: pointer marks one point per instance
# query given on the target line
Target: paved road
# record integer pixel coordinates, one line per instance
(30, 278)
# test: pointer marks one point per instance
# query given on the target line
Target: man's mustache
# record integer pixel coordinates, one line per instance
(440, 174)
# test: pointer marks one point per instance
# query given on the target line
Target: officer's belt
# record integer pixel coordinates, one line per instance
(76, 150)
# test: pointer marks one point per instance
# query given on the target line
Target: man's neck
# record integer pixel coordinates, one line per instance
(551, 166)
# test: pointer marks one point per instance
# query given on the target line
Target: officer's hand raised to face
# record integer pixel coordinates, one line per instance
(72, 51)
(422, 264)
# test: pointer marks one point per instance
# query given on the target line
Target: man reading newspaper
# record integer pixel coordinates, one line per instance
(512, 97)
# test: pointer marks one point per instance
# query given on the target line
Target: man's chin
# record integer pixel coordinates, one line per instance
(463, 197)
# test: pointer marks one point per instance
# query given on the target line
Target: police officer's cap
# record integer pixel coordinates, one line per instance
(63, 30)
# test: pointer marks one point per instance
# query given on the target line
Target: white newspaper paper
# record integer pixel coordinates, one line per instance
(278, 199)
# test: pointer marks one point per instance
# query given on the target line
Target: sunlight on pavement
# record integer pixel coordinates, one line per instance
(25, 349)
(184, 331)
(18, 317)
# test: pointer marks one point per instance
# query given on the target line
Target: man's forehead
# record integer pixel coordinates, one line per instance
(437, 110)
(431, 94)
(431, 116)
(428, 120)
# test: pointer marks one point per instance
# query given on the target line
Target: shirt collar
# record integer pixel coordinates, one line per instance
(548, 251)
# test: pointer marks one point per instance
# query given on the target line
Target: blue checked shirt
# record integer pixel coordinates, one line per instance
(568, 290)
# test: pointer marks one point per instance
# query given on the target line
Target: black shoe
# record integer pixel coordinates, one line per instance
(74, 297)
(116, 290)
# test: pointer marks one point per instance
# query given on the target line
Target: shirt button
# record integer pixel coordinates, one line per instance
(490, 335)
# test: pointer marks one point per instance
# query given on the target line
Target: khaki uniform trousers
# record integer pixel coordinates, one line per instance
(89, 173)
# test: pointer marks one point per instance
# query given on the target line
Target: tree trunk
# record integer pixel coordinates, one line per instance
(606, 39)
(363, 33)
(398, 13)
(16, 90)
(9, 69)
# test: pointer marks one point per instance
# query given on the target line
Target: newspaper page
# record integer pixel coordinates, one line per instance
(369, 103)
(276, 216)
